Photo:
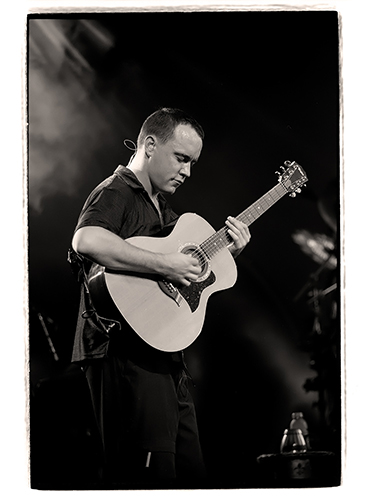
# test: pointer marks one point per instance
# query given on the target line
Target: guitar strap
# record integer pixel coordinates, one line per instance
(78, 265)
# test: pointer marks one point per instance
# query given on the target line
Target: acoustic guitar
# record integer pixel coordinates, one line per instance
(170, 317)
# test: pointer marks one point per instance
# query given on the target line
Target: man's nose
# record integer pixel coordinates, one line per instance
(185, 170)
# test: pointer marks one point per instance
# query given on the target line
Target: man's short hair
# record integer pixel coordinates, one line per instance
(162, 124)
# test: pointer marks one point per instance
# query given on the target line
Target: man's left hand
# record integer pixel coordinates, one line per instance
(240, 234)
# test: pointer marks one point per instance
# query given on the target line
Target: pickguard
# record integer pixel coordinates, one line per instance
(193, 292)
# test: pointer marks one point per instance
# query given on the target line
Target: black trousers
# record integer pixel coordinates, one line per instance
(147, 424)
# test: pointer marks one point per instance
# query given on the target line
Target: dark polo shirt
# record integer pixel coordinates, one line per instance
(121, 205)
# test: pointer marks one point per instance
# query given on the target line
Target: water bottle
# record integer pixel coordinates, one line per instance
(293, 441)
(298, 422)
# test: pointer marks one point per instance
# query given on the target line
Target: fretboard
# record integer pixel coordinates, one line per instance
(221, 239)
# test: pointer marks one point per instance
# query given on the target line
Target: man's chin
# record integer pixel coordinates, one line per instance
(170, 189)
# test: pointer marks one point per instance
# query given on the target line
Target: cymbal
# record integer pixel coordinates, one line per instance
(317, 246)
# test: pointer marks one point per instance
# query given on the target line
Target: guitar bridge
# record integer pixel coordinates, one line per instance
(191, 294)
(171, 291)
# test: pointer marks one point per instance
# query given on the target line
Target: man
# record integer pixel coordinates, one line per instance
(142, 405)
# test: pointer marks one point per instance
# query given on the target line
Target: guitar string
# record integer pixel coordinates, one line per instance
(221, 239)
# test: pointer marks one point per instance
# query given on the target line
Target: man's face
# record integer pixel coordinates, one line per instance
(171, 162)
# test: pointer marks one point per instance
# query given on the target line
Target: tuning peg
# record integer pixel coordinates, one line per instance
(278, 173)
(283, 169)
(293, 195)
(298, 190)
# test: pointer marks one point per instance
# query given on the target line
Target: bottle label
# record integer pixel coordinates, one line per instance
(300, 469)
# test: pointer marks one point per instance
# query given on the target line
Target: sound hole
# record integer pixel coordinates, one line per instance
(195, 251)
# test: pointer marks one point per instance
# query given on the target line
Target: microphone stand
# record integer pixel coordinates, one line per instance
(49, 340)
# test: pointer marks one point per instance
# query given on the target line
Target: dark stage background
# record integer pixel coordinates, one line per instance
(265, 87)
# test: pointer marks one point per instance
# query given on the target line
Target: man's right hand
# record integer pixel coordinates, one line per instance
(180, 268)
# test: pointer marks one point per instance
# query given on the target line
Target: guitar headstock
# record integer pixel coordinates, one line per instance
(292, 177)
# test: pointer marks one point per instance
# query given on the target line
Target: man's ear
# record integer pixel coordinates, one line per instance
(150, 144)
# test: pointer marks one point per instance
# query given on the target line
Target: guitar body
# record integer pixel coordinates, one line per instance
(166, 317)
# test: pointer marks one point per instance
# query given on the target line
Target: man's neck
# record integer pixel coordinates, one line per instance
(138, 168)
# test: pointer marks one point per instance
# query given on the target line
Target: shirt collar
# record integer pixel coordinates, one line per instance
(129, 177)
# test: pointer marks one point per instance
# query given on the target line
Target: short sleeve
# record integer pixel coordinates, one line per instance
(106, 207)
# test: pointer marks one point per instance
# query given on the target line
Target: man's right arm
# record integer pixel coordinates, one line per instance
(109, 250)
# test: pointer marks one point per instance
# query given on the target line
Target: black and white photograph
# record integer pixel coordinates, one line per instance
(187, 254)
(195, 342)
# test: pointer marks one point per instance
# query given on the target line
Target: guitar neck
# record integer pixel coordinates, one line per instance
(221, 239)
